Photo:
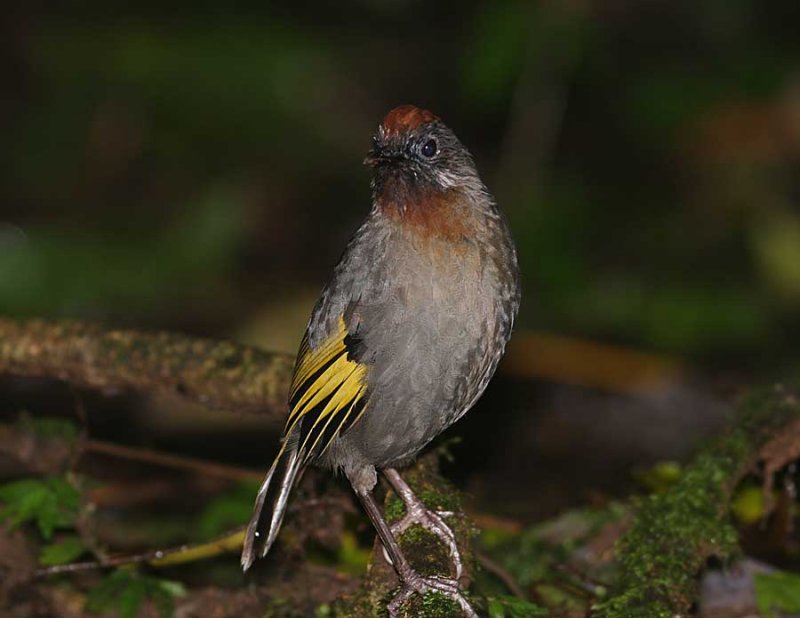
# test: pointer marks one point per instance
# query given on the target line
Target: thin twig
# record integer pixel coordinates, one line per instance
(83, 424)
(230, 541)
(504, 576)
(203, 467)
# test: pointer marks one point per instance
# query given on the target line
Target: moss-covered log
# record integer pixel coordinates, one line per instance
(674, 534)
(219, 374)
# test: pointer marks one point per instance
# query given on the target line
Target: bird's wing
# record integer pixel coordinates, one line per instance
(328, 391)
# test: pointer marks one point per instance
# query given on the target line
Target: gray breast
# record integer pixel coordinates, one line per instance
(433, 318)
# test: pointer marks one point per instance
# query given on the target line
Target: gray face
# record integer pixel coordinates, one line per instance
(429, 156)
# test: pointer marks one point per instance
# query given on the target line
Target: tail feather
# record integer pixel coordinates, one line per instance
(265, 523)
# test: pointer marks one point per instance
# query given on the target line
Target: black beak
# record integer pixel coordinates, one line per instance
(380, 157)
(372, 160)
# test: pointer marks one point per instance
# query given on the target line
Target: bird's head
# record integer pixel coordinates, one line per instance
(413, 150)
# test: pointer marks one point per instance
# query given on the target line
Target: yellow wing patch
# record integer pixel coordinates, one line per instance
(327, 393)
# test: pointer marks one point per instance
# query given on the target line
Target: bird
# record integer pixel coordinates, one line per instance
(403, 339)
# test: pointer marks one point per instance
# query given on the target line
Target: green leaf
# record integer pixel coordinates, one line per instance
(124, 591)
(62, 551)
(748, 504)
(659, 477)
(130, 599)
(164, 595)
(175, 589)
(50, 502)
(226, 511)
(103, 596)
(323, 611)
(496, 609)
(777, 592)
(513, 607)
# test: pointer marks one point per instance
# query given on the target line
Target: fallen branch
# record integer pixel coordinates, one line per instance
(177, 462)
(218, 374)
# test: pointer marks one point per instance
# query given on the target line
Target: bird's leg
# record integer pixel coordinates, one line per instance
(413, 582)
(418, 513)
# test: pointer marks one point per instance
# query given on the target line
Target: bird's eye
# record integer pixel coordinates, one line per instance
(428, 148)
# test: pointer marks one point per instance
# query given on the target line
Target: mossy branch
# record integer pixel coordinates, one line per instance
(674, 534)
(219, 374)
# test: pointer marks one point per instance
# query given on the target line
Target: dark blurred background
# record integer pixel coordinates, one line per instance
(199, 169)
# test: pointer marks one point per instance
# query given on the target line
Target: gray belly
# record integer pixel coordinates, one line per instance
(436, 336)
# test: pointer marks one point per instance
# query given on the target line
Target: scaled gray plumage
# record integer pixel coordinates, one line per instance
(405, 336)
(431, 322)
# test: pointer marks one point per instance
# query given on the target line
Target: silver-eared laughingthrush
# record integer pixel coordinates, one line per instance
(404, 338)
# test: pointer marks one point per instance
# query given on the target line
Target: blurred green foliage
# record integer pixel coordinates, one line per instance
(183, 166)
(124, 591)
(52, 270)
(513, 607)
(551, 562)
(226, 511)
(63, 551)
(49, 427)
(777, 593)
(51, 503)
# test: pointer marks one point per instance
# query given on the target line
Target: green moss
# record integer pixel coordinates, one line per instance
(669, 541)
(370, 601)
(394, 509)
(436, 493)
(426, 553)
(440, 500)
(675, 533)
(280, 608)
(433, 605)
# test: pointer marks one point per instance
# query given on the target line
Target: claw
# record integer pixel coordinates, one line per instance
(418, 513)
(420, 585)
(432, 521)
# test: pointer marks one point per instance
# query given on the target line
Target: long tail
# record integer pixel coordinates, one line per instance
(265, 523)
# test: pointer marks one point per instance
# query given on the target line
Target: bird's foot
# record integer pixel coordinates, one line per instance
(415, 583)
(416, 512)
(433, 522)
